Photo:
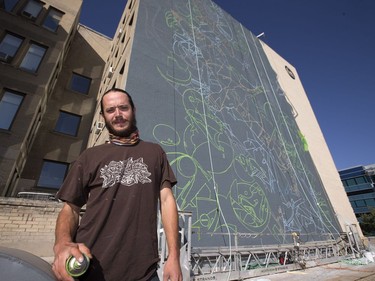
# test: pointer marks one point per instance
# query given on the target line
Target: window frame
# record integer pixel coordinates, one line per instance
(65, 132)
(29, 15)
(4, 92)
(32, 43)
(76, 89)
(11, 56)
(45, 179)
(49, 15)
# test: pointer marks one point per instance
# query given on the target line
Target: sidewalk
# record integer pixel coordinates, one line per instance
(348, 270)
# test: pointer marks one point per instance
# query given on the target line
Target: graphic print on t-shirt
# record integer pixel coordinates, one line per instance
(127, 172)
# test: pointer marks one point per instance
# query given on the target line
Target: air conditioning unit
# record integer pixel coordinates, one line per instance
(99, 127)
(110, 72)
(120, 32)
(5, 57)
(27, 15)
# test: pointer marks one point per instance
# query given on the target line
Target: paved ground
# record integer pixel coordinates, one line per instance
(351, 270)
(360, 269)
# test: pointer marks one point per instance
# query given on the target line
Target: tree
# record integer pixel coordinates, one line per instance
(367, 222)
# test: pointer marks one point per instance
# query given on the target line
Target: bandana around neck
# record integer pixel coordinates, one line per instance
(133, 139)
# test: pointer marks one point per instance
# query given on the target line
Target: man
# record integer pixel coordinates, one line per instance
(120, 183)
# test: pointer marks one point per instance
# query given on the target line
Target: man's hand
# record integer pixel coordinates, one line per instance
(172, 270)
(169, 216)
(66, 226)
(62, 253)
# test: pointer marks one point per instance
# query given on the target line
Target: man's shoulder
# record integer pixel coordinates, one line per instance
(147, 142)
(150, 145)
(93, 150)
(97, 147)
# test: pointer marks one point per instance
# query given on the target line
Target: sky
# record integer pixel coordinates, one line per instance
(331, 43)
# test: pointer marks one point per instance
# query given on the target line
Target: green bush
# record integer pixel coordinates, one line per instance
(367, 222)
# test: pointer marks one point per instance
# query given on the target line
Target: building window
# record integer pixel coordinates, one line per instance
(32, 9)
(68, 123)
(360, 180)
(350, 182)
(370, 202)
(80, 84)
(53, 174)
(33, 58)
(360, 203)
(8, 5)
(9, 47)
(52, 19)
(9, 105)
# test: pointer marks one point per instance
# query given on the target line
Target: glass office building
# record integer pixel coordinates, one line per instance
(359, 183)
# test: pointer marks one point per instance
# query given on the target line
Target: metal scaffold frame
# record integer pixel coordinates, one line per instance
(242, 262)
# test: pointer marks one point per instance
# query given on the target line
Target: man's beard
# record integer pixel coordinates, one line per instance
(123, 133)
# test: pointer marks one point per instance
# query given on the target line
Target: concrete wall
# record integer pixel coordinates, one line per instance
(36, 87)
(317, 145)
(28, 225)
(87, 58)
(73, 48)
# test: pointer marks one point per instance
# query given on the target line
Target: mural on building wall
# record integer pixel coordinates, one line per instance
(243, 166)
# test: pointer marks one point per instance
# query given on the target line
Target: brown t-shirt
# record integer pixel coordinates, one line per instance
(120, 186)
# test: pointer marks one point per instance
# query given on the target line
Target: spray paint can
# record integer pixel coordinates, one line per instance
(76, 268)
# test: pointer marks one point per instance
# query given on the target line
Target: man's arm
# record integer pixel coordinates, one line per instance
(169, 216)
(66, 227)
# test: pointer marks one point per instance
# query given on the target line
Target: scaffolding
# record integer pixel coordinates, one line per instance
(242, 262)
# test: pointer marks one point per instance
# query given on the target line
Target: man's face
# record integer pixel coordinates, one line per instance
(118, 114)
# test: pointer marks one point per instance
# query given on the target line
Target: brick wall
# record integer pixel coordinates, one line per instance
(28, 225)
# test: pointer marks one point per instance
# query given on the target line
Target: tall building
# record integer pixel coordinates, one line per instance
(235, 121)
(50, 72)
(359, 183)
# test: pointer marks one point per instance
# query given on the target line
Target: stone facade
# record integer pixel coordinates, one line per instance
(28, 225)
(50, 95)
